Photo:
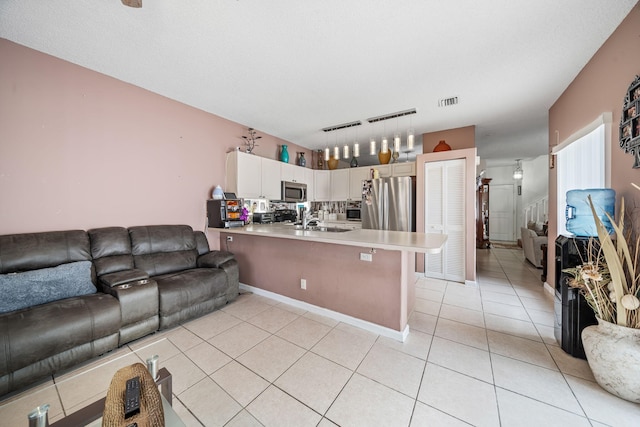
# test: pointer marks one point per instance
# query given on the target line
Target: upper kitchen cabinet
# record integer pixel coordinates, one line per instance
(292, 173)
(339, 184)
(356, 176)
(252, 177)
(403, 169)
(309, 179)
(384, 170)
(322, 185)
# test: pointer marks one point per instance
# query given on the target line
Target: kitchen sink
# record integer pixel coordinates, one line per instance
(322, 228)
(332, 229)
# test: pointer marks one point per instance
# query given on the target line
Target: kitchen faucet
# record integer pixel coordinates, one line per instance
(306, 219)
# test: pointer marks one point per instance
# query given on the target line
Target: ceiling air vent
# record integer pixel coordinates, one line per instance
(446, 102)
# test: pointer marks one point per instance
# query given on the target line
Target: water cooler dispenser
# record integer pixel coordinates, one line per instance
(572, 312)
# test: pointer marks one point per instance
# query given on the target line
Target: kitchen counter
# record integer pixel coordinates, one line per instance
(375, 239)
(362, 277)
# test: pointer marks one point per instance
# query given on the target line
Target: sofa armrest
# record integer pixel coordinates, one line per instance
(214, 259)
(121, 277)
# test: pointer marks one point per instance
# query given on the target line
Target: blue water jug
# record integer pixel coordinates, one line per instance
(578, 213)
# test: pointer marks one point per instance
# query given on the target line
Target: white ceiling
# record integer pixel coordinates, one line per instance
(290, 67)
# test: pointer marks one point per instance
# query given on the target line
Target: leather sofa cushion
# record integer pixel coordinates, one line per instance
(32, 251)
(161, 238)
(201, 242)
(111, 249)
(182, 290)
(39, 332)
(163, 249)
(214, 259)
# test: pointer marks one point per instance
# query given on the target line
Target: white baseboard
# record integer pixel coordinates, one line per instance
(550, 289)
(353, 321)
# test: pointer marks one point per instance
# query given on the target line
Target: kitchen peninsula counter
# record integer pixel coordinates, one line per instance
(374, 239)
(362, 277)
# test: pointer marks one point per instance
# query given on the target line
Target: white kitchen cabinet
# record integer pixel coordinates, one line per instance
(384, 170)
(356, 176)
(322, 185)
(293, 173)
(251, 177)
(270, 175)
(403, 169)
(310, 181)
(244, 175)
(339, 184)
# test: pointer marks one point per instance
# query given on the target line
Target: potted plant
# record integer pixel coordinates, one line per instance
(610, 283)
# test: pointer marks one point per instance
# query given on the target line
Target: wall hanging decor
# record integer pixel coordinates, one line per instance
(630, 122)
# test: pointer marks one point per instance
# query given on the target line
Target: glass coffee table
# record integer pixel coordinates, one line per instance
(91, 415)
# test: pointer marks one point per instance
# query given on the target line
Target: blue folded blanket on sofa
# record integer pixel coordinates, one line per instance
(29, 288)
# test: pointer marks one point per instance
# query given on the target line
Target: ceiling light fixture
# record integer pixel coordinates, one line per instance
(342, 126)
(518, 172)
(391, 115)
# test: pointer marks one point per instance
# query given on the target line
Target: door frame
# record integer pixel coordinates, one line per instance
(513, 210)
(469, 154)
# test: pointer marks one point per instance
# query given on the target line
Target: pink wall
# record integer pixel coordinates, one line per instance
(598, 88)
(459, 138)
(79, 149)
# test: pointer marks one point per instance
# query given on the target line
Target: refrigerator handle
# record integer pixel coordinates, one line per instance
(385, 205)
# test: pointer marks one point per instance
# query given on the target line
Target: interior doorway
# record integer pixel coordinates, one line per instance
(502, 213)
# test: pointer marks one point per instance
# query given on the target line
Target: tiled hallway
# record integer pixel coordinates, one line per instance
(481, 356)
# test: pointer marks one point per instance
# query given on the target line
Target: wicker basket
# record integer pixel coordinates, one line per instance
(151, 412)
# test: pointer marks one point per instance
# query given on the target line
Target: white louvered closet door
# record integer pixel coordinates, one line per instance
(444, 214)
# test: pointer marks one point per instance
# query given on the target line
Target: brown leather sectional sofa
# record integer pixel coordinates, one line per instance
(147, 278)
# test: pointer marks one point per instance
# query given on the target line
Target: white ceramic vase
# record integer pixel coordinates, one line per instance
(613, 353)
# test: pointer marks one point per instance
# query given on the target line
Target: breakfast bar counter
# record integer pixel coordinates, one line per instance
(362, 277)
(375, 239)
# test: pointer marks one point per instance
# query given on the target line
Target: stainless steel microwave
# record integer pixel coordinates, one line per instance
(294, 191)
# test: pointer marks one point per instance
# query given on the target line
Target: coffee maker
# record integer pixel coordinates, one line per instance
(224, 213)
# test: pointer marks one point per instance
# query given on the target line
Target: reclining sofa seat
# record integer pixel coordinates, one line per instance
(138, 296)
(46, 338)
(192, 280)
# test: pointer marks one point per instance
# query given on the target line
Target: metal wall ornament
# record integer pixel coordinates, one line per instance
(630, 122)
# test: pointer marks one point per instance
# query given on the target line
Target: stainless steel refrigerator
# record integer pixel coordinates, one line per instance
(389, 204)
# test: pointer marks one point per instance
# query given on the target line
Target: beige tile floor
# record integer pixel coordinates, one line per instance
(481, 356)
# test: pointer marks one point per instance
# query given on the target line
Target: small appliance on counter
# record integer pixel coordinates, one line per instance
(224, 213)
(353, 212)
(263, 217)
(285, 215)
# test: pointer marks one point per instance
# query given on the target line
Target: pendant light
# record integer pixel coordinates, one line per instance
(384, 145)
(410, 137)
(326, 147)
(518, 172)
(396, 139)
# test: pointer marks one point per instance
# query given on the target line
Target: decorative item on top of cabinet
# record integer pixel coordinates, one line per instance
(284, 154)
(384, 157)
(482, 221)
(250, 141)
(442, 146)
(319, 160)
(333, 163)
(630, 122)
(301, 160)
